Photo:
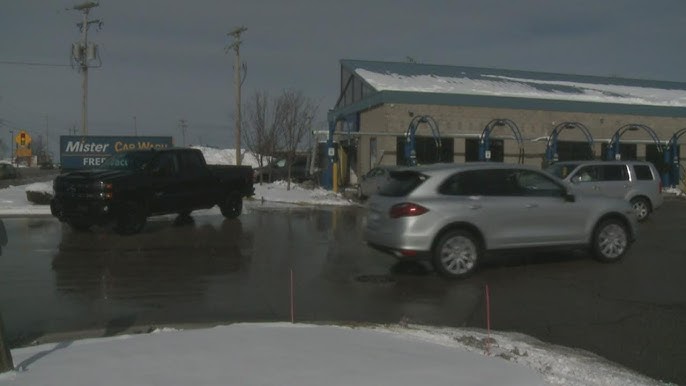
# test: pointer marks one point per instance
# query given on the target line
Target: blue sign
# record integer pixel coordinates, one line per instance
(88, 152)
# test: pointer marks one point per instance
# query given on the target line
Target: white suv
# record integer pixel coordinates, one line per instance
(453, 214)
(636, 181)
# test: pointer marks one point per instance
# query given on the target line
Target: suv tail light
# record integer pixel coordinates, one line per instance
(407, 209)
(659, 190)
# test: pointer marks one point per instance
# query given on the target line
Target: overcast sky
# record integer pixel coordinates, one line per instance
(163, 60)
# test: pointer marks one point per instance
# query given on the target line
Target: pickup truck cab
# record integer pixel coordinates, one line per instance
(131, 186)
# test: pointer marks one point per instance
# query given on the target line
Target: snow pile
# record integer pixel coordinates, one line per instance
(40, 187)
(301, 354)
(559, 365)
(298, 194)
(13, 199)
(675, 191)
(496, 85)
(214, 156)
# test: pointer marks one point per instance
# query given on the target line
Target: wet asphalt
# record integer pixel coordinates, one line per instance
(211, 271)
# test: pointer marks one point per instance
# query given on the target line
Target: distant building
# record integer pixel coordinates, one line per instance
(379, 100)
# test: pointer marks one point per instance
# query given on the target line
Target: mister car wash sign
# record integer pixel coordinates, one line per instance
(88, 152)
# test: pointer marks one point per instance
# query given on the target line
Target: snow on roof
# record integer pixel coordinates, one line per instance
(517, 84)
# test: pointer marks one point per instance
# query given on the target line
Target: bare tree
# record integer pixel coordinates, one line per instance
(264, 122)
(297, 112)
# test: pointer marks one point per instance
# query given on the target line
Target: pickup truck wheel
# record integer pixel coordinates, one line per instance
(232, 206)
(79, 225)
(130, 219)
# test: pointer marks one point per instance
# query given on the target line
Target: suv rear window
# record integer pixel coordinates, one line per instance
(643, 172)
(402, 183)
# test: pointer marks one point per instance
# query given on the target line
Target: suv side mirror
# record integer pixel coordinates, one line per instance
(569, 197)
(576, 179)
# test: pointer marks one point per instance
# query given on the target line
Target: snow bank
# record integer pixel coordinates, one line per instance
(301, 354)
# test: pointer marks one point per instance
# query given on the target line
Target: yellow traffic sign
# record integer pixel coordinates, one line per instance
(23, 138)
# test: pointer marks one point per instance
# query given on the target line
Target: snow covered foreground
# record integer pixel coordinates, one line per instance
(301, 354)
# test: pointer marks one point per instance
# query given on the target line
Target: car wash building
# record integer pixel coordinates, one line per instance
(391, 113)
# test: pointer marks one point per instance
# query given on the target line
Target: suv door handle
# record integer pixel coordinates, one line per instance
(474, 206)
(531, 205)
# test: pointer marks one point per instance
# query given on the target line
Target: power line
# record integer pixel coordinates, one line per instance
(22, 63)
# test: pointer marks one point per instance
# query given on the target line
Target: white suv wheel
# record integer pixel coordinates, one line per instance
(610, 241)
(456, 254)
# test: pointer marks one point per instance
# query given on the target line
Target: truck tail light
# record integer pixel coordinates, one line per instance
(407, 209)
(107, 191)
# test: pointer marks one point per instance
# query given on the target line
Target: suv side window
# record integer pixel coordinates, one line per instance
(614, 173)
(643, 172)
(587, 174)
(531, 183)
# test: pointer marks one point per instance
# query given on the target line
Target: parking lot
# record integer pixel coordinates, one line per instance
(59, 283)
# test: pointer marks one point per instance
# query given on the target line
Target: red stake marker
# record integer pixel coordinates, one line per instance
(488, 320)
(292, 302)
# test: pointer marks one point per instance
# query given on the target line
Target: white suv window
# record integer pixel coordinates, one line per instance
(614, 173)
(643, 173)
(602, 173)
(536, 184)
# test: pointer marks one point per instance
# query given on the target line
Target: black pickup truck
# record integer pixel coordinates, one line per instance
(131, 186)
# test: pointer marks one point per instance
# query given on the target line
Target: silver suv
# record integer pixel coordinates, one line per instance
(636, 181)
(453, 213)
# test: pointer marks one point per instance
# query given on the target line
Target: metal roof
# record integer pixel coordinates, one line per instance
(411, 83)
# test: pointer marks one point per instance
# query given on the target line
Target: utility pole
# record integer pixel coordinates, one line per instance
(82, 53)
(183, 125)
(47, 137)
(12, 147)
(237, 79)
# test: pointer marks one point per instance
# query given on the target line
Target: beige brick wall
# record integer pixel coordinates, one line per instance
(388, 121)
